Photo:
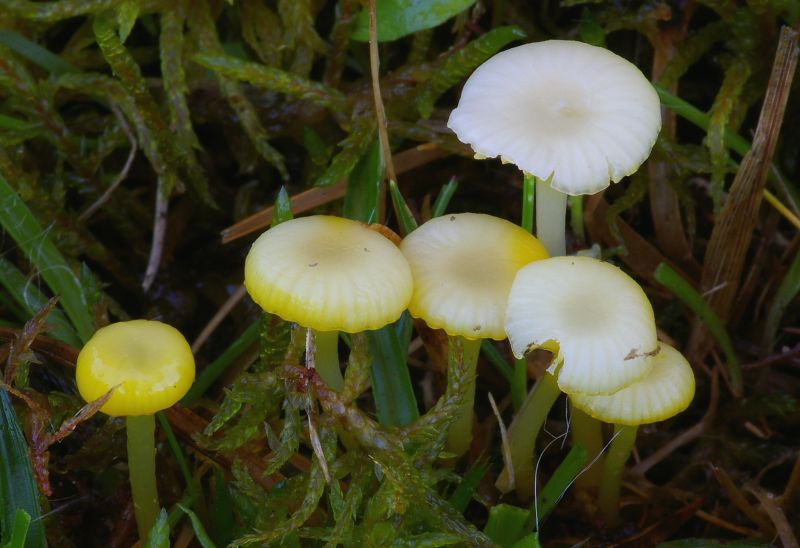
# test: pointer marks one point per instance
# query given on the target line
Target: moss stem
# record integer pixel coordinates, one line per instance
(459, 436)
(618, 453)
(522, 435)
(326, 358)
(142, 471)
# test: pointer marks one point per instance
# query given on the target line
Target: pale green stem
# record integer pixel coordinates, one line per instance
(459, 437)
(551, 218)
(617, 456)
(326, 358)
(142, 471)
(522, 435)
(588, 432)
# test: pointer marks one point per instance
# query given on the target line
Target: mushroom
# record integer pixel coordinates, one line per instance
(463, 266)
(599, 325)
(328, 274)
(666, 391)
(573, 115)
(149, 366)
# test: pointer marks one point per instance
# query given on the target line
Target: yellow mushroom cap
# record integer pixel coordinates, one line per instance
(149, 364)
(579, 112)
(329, 274)
(598, 315)
(666, 391)
(463, 266)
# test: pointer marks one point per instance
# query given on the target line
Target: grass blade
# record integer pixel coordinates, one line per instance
(22, 522)
(405, 218)
(444, 197)
(35, 53)
(17, 485)
(528, 203)
(469, 482)
(558, 484)
(199, 531)
(216, 368)
(31, 300)
(506, 524)
(23, 227)
(395, 402)
(679, 287)
(363, 184)
(783, 296)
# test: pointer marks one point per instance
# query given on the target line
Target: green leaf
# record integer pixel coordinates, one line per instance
(23, 227)
(679, 287)
(363, 186)
(159, 534)
(199, 531)
(17, 484)
(463, 62)
(398, 18)
(35, 53)
(506, 524)
(22, 522)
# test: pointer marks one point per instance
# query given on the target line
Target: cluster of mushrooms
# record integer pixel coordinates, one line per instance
(472, 275)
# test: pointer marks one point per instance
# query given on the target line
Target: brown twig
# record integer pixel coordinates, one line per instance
(777, 516)
(792, 486)
(159, 231)
(739, 500)
(773, 359)
(723, 524)
(214, 322)
(685, 437)
(380, 112)
(733, 230)
(404, 161)
(122, 175)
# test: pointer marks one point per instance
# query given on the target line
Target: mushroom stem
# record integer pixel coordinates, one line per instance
(587, 431)
(522, 436)
(551, 217)
(618, 453)
(326, 358)
(459, 437)
(142, 471)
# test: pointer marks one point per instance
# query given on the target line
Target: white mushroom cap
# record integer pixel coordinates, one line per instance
(666, 391)
(599, 317)
(329, 274)
(463, 266)
(579, 112)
